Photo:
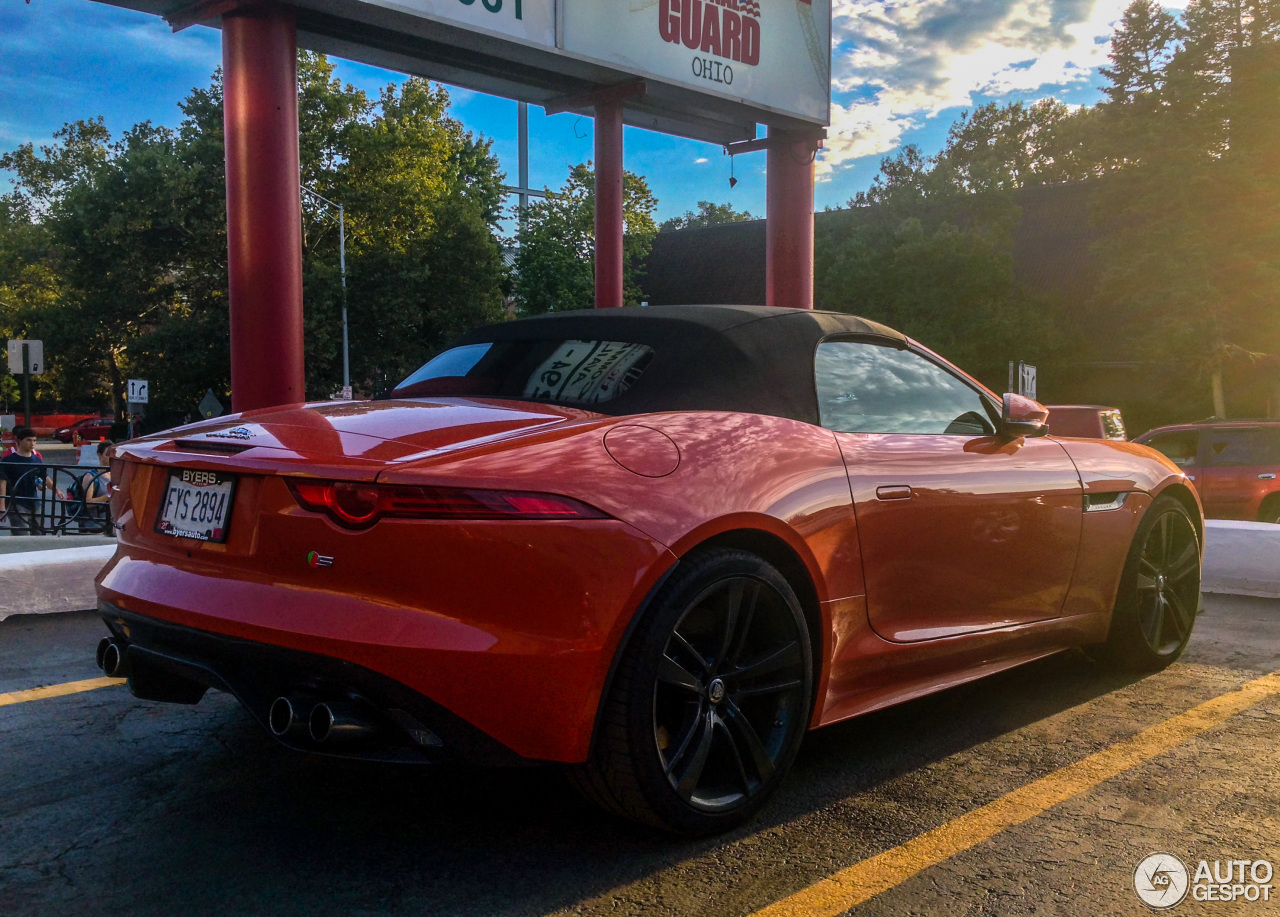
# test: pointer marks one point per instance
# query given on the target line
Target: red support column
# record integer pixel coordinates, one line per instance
(264, 207)
(788, 273)
(609, 223)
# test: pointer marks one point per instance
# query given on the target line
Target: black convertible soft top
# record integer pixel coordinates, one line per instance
(751, 359)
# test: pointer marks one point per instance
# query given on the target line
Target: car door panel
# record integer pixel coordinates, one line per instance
(1236, 462)
(987, 538)
(961, 530)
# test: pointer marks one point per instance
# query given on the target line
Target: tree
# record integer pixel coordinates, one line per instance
(555, 267)
(707, 214)
(1141, 49)
(120, 247)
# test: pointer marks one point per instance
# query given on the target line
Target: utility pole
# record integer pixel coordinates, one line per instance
(522, 191)
(342, 269)
(522, 150)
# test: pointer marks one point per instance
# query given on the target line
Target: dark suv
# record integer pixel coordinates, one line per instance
(1234, 465)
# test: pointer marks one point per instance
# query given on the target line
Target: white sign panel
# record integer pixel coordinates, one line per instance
(1027, 380)
(35, 356)
(138, 391)
(767, 53)
(532, 21)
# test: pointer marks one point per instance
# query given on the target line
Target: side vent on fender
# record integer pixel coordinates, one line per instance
(1099, 503)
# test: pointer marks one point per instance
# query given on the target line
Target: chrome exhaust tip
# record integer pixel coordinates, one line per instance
(112, 663)
(282, 717)
(288, 716)
(102, 650)
(339, 721)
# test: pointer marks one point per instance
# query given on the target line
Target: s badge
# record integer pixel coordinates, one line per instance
(319, 560)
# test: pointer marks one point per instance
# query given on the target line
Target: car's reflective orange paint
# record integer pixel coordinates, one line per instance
(515, 625)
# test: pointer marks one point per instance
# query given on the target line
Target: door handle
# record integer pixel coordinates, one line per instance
(893, 492)
(1266, 477)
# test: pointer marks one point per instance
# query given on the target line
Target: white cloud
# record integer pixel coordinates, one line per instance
(896, 62)
(700, 160)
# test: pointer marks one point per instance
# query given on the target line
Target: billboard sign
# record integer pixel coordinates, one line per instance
(529, 21)
(713, 69)
(769, 54)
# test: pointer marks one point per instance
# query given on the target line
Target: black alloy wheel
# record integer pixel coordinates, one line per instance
(728, 693)
(710, 700)
(1168, 583)
(1159, 592)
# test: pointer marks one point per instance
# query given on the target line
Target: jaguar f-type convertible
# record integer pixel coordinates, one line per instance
(657, 545)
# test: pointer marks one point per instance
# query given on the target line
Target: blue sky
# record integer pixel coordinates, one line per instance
(902, 71)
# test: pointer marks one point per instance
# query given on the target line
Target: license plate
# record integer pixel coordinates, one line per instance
(197, 504)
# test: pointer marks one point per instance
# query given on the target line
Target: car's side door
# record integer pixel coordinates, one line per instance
(1239, 470)
(961, 530)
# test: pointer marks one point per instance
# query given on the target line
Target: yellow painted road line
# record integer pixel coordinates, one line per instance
(863, 881)
(71, 687)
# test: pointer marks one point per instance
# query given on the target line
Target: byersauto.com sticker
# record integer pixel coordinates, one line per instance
(1163, 881)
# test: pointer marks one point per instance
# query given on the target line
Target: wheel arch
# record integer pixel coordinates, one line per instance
(1270, 502)
(774, 549)
(1183, 494)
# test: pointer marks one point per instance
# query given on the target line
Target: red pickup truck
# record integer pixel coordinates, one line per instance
(1234, 465)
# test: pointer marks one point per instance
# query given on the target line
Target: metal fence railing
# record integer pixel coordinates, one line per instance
(54, 500)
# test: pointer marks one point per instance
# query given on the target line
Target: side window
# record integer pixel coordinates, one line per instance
(1180, 448)
(871, 388)
(1244, 447)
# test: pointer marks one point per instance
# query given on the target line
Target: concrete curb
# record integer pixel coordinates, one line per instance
(1242, 558)
(45, 582)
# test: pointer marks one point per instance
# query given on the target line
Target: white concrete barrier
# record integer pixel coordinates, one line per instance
(1242, 558)
(41, 582)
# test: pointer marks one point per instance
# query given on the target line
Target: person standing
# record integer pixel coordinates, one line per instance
(24, 477)
(91, 493)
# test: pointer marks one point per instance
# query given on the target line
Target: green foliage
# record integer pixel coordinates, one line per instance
(555, 268)
(1184, 165)
(10, 392)
(1190, 248)
(905, 264)
(707, 214)
(114, 251)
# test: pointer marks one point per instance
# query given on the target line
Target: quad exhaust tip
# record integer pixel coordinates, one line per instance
(299, 717)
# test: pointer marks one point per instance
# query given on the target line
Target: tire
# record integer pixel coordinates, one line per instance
(1270, 511)
(710, 700)
(1159, 592)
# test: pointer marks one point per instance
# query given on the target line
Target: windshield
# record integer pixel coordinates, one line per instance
(557, 370)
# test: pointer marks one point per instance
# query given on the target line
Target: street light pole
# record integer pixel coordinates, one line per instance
(342, 269)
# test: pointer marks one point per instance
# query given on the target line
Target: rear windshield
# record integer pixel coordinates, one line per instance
(558, 370)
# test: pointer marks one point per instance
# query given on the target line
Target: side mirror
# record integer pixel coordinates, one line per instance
(1020, 416)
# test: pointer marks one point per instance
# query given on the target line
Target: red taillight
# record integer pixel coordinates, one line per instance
(360, 505)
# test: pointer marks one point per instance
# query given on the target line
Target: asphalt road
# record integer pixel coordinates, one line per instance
(114, 806)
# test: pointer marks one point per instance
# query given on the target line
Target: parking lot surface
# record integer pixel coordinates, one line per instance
(112, 805)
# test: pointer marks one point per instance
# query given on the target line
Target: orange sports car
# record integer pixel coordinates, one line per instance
(657, 545)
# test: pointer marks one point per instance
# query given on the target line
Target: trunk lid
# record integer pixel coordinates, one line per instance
(350, 440)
